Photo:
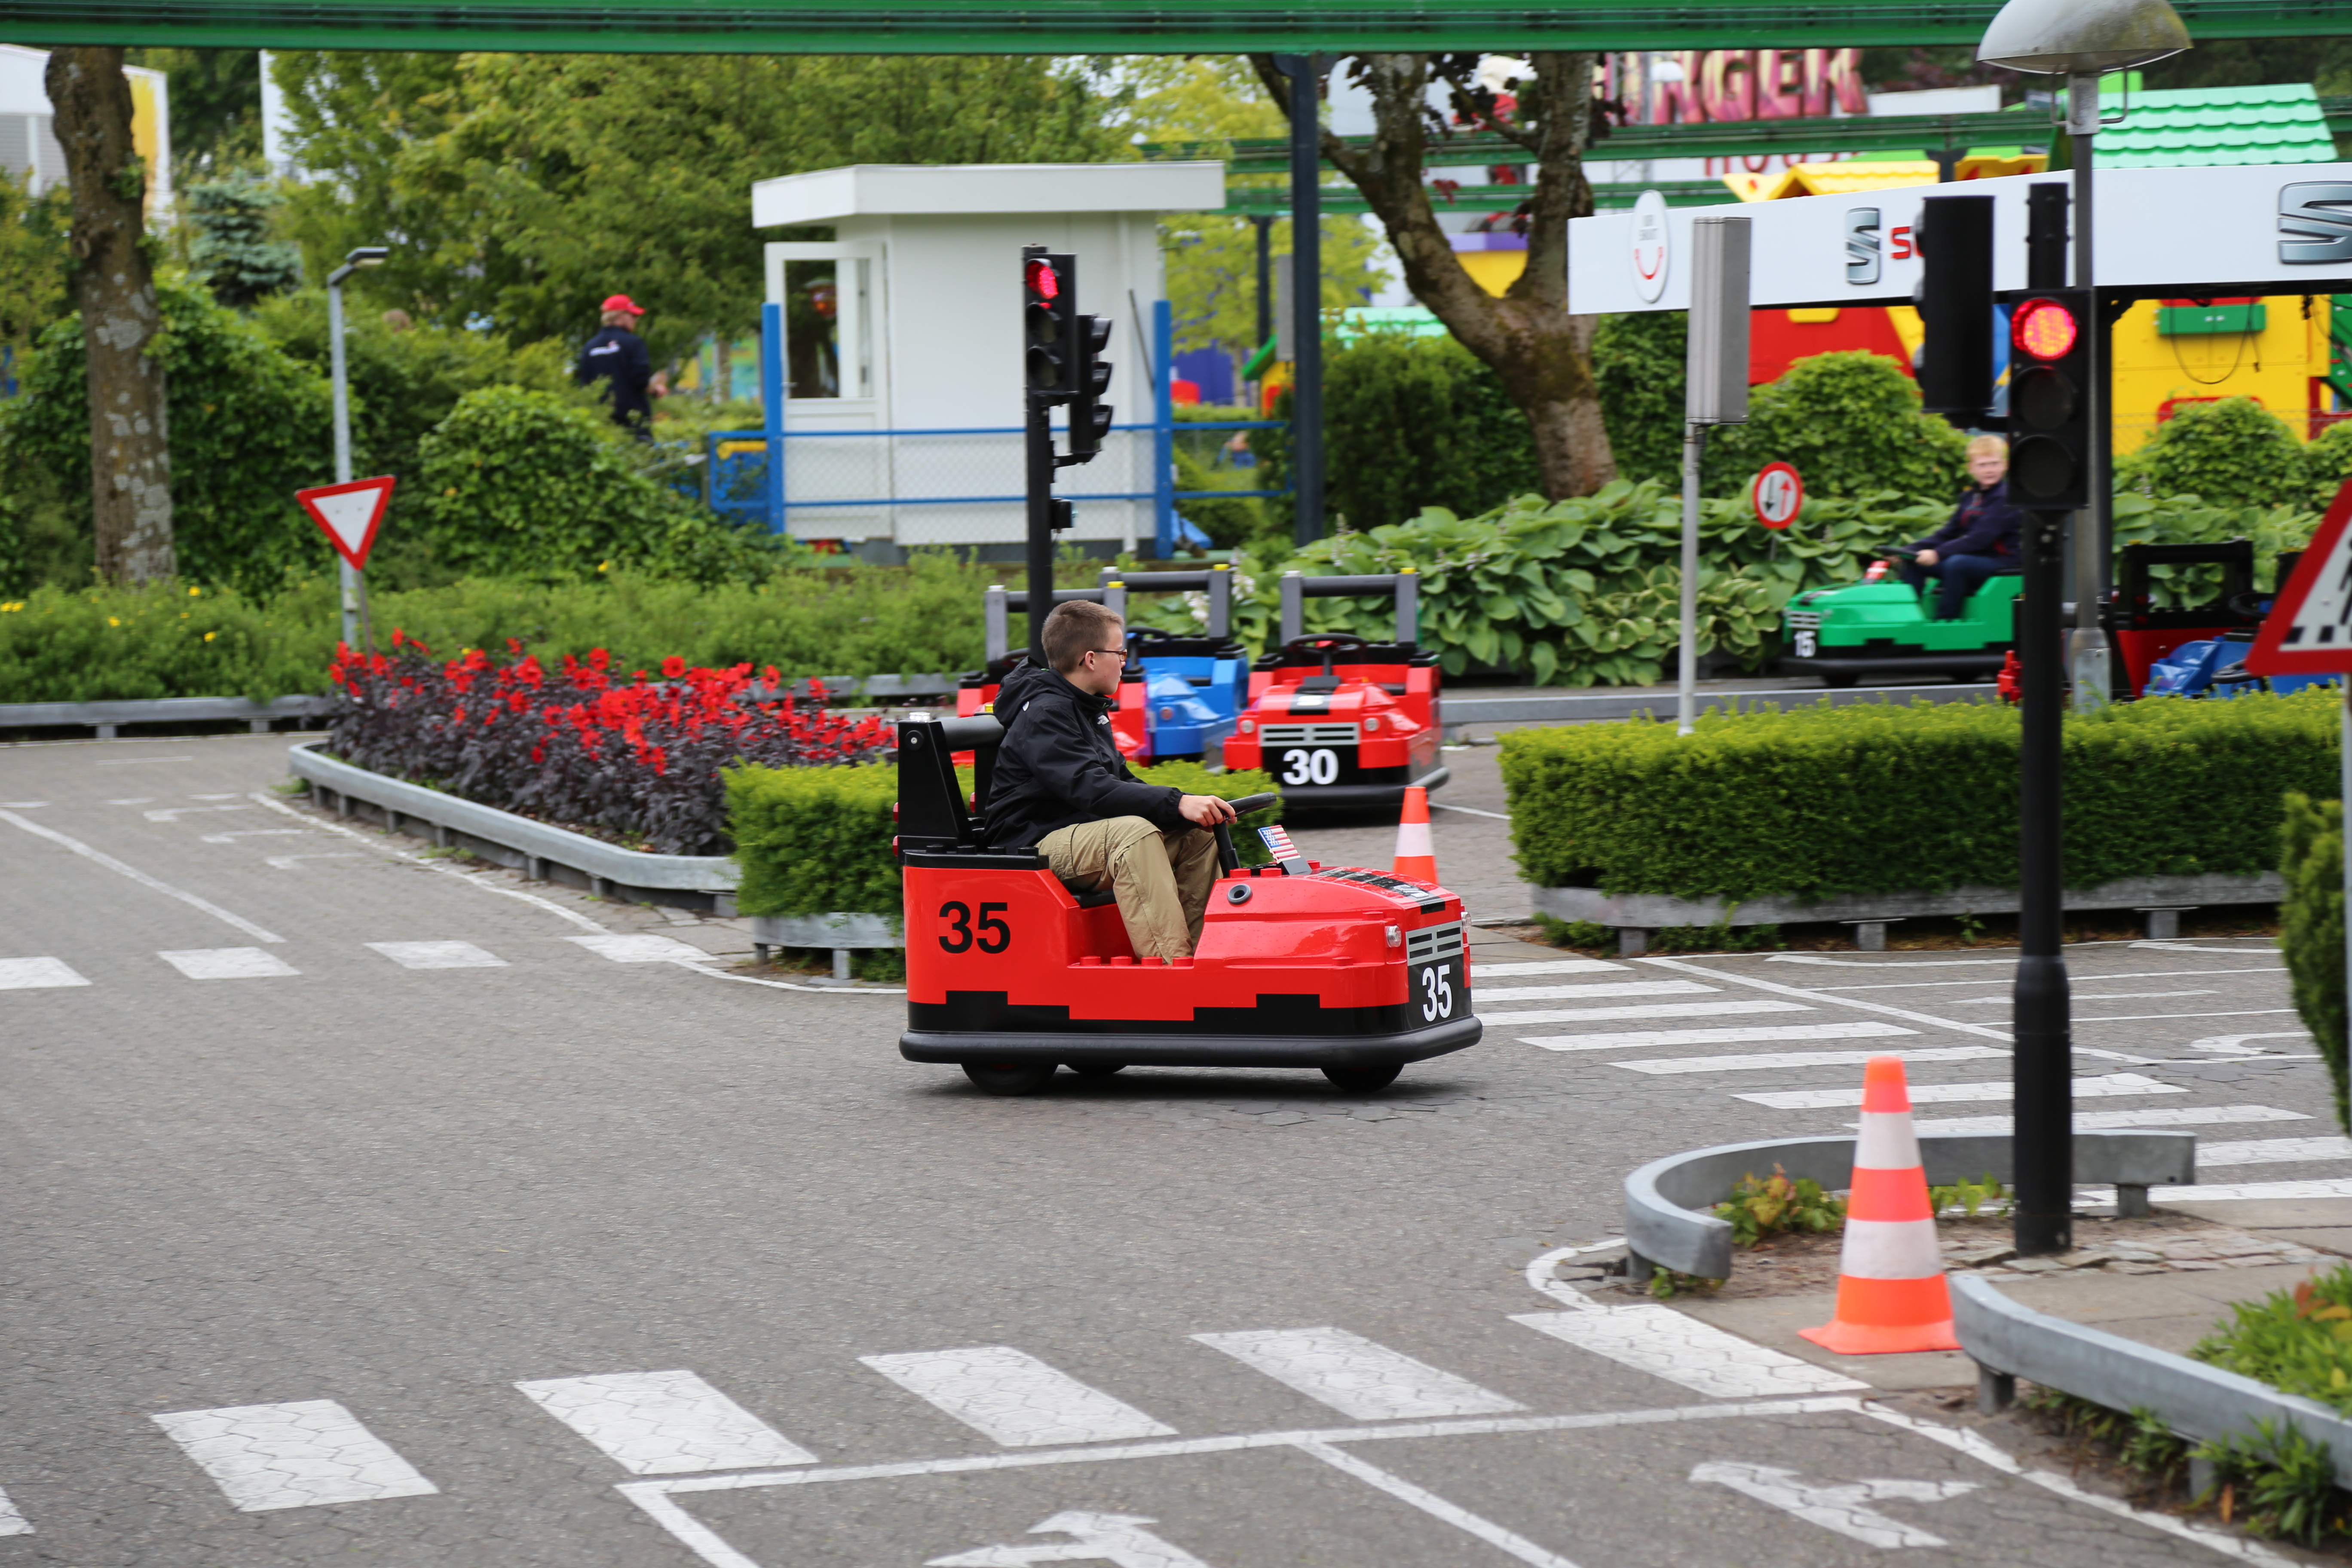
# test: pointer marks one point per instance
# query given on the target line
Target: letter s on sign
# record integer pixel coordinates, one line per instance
(2310, 210)
(1900, 237)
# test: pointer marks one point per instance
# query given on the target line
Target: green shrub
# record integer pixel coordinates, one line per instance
(816, 841)
(2298, 1341)
(2326, 464)
(1640, 362)
(1853, 425)
(2233, 452)
(163, 640)
(2311, 922)
(1819, 802)
(1415, 422)
(1775, 1205)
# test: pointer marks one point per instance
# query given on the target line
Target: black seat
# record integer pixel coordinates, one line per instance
(932, 813)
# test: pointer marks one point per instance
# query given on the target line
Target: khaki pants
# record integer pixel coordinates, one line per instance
(1161, 879)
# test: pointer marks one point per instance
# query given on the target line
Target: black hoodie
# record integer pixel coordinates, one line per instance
(1059, 764)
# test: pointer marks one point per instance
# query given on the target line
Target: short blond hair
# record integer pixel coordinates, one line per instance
(1076, 627)
(1997, 446)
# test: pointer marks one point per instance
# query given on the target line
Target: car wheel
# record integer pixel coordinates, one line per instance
(1837, 682)
(1010, 1078)
(1096, 1069)
(1363, 1080)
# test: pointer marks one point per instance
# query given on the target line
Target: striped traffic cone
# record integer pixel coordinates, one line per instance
(1416, 855)
(1891, 1292)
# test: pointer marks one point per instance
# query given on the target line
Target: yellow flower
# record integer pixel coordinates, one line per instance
(113, 620)
(607, 566)
(18, 605)
(209, 636)
(194, 593)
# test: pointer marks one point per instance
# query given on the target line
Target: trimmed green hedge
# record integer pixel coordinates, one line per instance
(817, 841)
(1874, 798)
(2311, 928)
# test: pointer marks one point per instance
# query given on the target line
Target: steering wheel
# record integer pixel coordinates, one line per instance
(1149, 635)
(1324, 643)
(2253, 604)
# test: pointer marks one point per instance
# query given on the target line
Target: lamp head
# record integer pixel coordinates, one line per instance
(365, 256)
(2082, 37)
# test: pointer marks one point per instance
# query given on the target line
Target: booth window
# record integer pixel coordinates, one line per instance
(828, 328)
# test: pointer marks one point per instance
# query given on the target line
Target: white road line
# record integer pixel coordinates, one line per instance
(173, 813)
(2088, 980)
(1843, 1507)
(1547, 967)
(36, 974)
(1436, 1506)
(2148, 1116)
(1824, 998)
(2273, 1151)
(1570, 993)
(437, 955)
(2078, 996)
(2112, 1086)
(1658, 1010)
(141, 877)
(2143, 1017)
(11, 1518)
(663, 1422)
(227, 963)
(292, 1456)
(254, 833)
(1665, 1064)
(127, 800)
(2236, 1044)
(1013, 1397)
(1880, 963)
(1356, 1376)
(1666, 1343)
(133, 761)
(24, 804)
(2249, 1192)
(294, 862)
(1752, 1035)
(642, 948)
(229, 796)
(1471, 811)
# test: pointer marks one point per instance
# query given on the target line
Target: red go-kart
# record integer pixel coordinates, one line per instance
(1342, 722)
(1010, 973)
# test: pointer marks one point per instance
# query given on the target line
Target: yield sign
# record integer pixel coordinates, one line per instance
(2309, 628)
(349, 514)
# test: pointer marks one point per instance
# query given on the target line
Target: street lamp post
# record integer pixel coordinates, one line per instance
(2078, 40)
(365, 256)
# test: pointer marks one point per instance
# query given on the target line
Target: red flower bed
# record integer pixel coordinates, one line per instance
(631, 758)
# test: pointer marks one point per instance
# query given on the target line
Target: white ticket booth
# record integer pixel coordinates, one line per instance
(892, 365)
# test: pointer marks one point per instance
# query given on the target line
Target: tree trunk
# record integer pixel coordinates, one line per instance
(130, 461)
(1539, 352)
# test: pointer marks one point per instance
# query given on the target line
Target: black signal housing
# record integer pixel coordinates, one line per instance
(2050, 332)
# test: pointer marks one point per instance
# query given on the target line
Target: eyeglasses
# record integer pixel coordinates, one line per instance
(1118, 653)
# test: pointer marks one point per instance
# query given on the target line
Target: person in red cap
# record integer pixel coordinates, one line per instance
(618, 357)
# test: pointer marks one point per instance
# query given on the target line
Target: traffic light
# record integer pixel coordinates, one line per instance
(2050, 400)
(1089, 415)
(1955, 242)
(1049, 299)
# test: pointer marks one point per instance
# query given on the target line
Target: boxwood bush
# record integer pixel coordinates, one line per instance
(1878, 797)
(2311, 920)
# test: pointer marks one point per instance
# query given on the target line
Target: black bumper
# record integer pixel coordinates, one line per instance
(1194, 1050)
(1352, 796)
(1986, 663)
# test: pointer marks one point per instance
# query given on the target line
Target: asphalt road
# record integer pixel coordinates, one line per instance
(364, 1209)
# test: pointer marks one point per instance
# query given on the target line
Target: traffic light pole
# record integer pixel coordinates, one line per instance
(1041, 465)
(1305, 294)
(2092, 525)
(2042, 1069)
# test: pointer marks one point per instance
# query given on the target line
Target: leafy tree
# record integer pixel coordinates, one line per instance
(1853, 425)
(33, 260)
(2326, 464)
(2233, 451)
(233, 251)
(1639, 361)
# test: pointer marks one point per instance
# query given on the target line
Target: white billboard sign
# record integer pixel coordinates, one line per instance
(2247, 229)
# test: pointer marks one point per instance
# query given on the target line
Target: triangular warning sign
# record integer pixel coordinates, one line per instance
(349, 514)
(2309, 628)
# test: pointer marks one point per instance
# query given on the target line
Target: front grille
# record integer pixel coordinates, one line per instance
(1308, 734)
(1804, 620)
(1432, 943)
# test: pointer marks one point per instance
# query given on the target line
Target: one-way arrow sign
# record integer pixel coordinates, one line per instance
(349, 514)
(2309, 628)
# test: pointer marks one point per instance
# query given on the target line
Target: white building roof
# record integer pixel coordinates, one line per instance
(879, 190)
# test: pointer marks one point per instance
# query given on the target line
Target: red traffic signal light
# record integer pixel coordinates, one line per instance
(1048, 298)
(1038, 274)
(2044, 329)
(2050, 401)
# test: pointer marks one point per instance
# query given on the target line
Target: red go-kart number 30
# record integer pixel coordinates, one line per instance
(993, 934)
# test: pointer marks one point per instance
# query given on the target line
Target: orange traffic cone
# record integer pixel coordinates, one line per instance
(1891, 1292)
(1416, 855)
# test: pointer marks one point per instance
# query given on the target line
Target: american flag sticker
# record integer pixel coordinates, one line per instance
(1277, 843)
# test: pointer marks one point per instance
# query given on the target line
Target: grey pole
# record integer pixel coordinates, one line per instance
(1305, 295)
(1687, 674)
(354, 591)
(2089, 651)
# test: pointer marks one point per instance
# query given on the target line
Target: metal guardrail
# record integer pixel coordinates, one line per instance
(108, 717)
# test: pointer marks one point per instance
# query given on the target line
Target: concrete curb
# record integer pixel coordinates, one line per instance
(1667, 1228)
(2204, 1403)
(1603, 706)
(533, 848)
(108, 717)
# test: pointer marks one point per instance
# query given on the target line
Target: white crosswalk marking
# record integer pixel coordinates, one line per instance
(227, 963)
(1014, 1399)
(1487, 993)
(2149, 1115)
(625, 948)
(2255, 1192)
(1807, 1059)
(36, 974)
(11, 1518)
(1636, 1014)
(2078, 998)
(1356, 1376)
(2273, 1151)
(1735, 1035)
(292, 1456)
(1669, 1344)
(2107, 1088)
(1546, 966)
(437, 955)
(663, 1422)
(1843, 1507)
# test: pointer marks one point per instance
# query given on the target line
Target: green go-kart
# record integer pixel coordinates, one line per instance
(1883, 628)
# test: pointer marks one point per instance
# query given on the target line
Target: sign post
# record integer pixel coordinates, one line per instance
(349, 514)
(1777, 494)
(1716, 392)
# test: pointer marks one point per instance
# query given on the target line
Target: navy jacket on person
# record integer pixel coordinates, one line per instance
(1985, 523)
(618, 357)
(1060, 765)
